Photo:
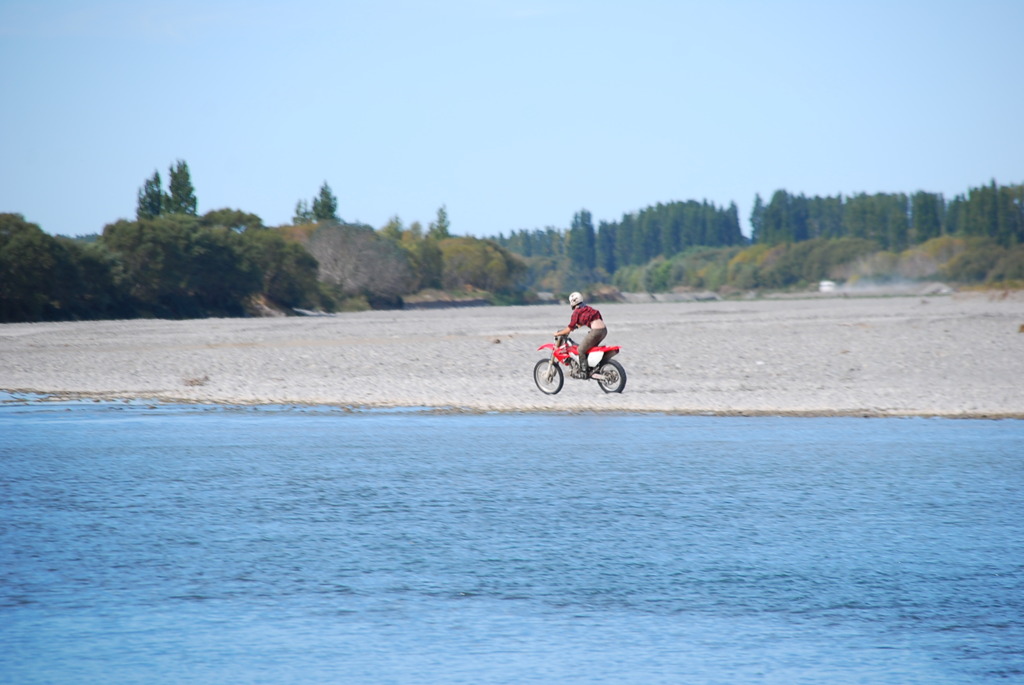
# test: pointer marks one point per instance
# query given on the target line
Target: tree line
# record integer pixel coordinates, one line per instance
(895, 221)
(659, 231)
(977, 237)
(172, 262)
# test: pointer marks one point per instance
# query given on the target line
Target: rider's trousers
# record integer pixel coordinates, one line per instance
(592, 339)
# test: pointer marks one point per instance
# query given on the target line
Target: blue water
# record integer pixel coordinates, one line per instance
(163, 544)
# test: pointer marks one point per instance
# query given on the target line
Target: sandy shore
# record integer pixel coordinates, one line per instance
(960, 355)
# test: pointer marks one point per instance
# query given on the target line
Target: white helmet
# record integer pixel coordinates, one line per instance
(575, 299)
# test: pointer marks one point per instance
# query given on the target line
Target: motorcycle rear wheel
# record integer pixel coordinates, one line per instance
(612, 376)
(548, 377)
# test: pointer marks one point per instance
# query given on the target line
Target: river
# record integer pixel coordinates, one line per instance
(163, 544)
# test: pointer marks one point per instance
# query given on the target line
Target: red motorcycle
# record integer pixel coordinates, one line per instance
(608, 373)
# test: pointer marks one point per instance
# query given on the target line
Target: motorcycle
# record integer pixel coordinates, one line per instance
(608, 373)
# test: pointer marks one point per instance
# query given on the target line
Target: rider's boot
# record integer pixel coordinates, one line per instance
(584, 369)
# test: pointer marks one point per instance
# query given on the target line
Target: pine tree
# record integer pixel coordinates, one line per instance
(393, 229)
(757, 220)
(582, 241)
(440, 229)
(182, 196)
(151, 199)
(604, 247)
(926, 210)
(325, 206)
(303, 215)
(729, 232)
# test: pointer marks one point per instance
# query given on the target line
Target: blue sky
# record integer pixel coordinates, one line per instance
(511, 113)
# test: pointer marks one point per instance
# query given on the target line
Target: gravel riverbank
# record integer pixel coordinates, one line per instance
(956, 355)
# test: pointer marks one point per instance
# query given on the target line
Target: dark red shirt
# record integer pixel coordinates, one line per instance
(583, 315)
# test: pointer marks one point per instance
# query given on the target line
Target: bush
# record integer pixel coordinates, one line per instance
(289, 272)
(482, 264)
(175, 267)
(1010, 266)
(43, 278)
(629, 279)
(974, 263)
(359, 262)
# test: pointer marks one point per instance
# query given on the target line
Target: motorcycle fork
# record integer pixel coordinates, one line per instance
(552, 362)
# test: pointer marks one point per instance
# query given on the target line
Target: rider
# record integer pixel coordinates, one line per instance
(584, 315)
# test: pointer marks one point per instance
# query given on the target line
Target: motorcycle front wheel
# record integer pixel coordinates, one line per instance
(548, 377)
(612, 376)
